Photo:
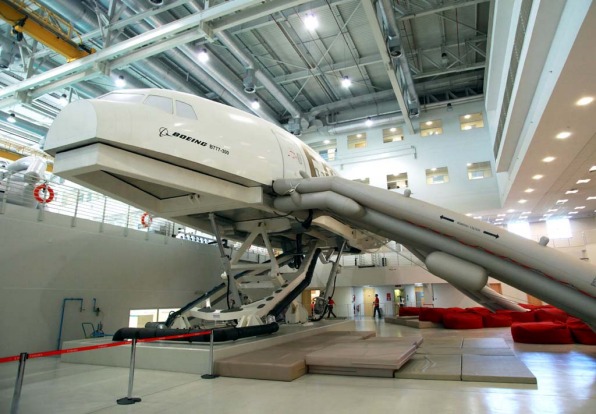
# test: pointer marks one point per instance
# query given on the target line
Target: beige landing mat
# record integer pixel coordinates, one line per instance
(484, 368)
(365, 358)
(431, 367)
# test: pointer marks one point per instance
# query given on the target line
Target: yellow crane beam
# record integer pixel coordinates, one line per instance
(30, 18)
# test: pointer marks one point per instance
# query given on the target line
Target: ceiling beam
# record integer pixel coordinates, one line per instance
(380, 41)
(171, 29)
(435, 10)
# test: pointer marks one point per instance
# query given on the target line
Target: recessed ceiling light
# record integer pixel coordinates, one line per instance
(563, 135)
(346, 82)
(548, 159)
(537, 177)
(580, 207)
(573, 212)
(586, 100)
(591, 198)
(469, 214)
(522, 201)
(562, 201)
(572, 191)
(583, 181)
(529, 190)
(592, 168)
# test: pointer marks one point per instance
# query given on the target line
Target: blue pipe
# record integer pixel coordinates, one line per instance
(62, 317)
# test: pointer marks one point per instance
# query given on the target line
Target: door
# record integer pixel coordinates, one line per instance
(534, 301)
(496, 287)
(369, 297)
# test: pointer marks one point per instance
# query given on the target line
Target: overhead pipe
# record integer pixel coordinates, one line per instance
(389, 117)
(395, 48)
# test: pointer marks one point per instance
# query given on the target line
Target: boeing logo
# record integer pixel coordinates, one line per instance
(163, 132)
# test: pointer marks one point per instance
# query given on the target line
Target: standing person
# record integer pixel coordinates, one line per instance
(376, 309)
(330, 304)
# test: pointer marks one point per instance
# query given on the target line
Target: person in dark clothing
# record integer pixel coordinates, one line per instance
(376, 309)
(330, 304)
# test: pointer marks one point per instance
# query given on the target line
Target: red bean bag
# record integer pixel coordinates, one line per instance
(431, 314)
(581, 332)
(496, 320)
(541, 333)
(550, 314)
(523, 317)
(409, 311)
(462, 320)
(479, 310)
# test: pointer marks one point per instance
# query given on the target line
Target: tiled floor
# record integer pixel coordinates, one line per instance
(566, 384)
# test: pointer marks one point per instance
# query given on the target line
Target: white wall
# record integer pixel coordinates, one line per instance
(45, 262)
(415, 154)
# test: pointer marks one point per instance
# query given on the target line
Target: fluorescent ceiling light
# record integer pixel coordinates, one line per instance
(580, 207)
(395, 129)
(552, 210)
(562, 201)
(537, 177)
(563, 135)
(510, 210)
(592, 168)
(203, 56)
(120, 82)
(522, 201)
(583, 181)
(311, 22)
(573, 212)
(529, 190)
(346, 82)
(572, 191)
(591, 198)
(326, 142)
(548, 159)
(500, 215)
(586, 100)
(429, 122)
(467, 116)
(527, 212)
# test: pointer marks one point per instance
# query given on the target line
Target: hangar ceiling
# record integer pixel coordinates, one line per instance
(398, 56)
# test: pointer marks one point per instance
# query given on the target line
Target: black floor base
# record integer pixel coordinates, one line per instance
(128, 401)
(209, 376)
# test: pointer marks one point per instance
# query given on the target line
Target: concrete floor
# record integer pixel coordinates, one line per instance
(566, 384)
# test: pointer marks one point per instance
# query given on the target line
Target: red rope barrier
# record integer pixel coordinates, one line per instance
(92, 347)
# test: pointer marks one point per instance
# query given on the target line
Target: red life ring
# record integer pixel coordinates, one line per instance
(48, 195)
(146, 219)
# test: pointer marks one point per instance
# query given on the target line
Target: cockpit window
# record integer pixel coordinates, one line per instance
(160, 102)
(185, 110)
(123, 97)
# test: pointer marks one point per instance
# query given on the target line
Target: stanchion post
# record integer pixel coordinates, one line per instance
(211, 375)
(129, 399)
(16, 396)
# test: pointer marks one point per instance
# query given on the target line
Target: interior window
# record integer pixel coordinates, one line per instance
(185, 110)
(123, 97)
(159, 102)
